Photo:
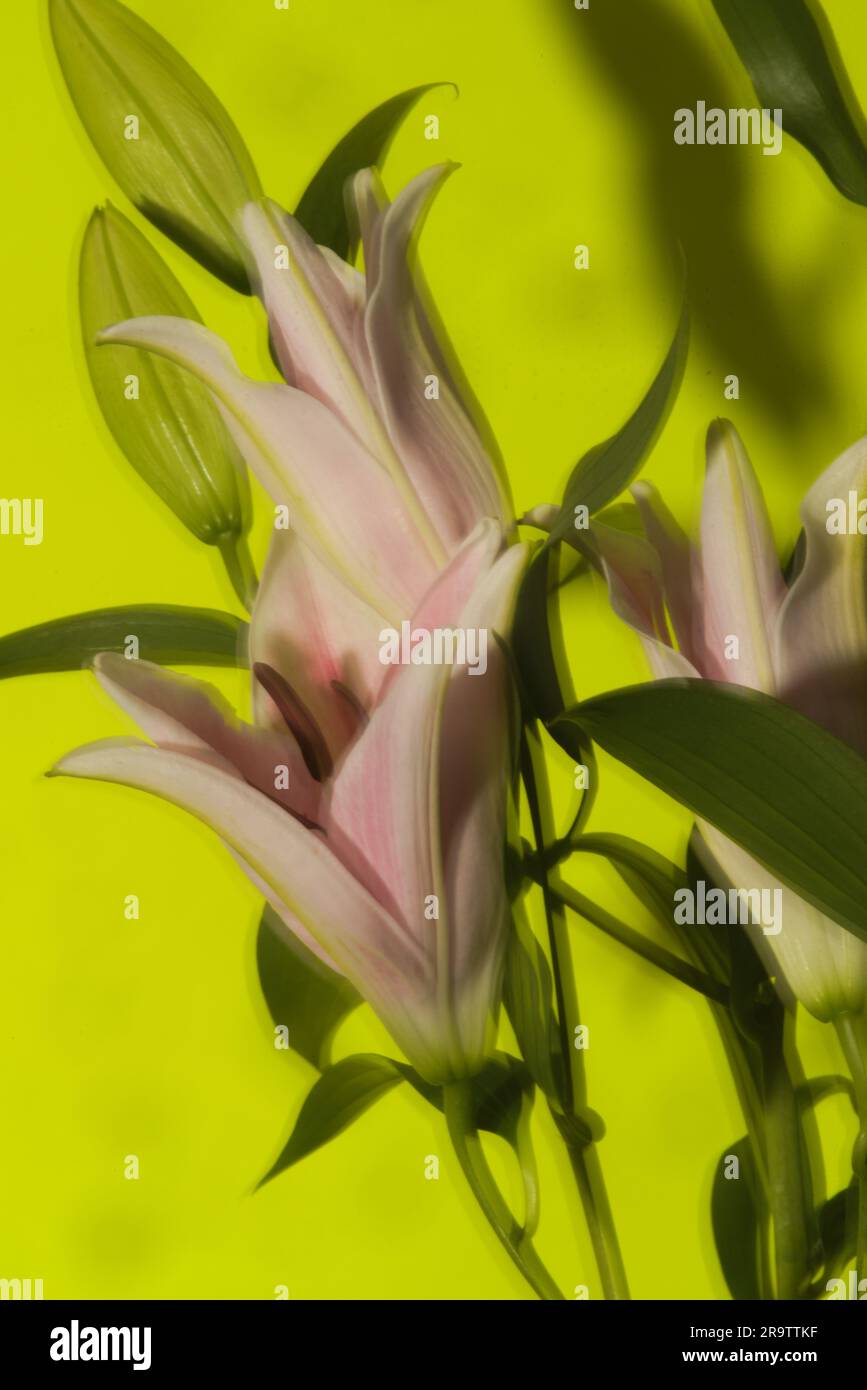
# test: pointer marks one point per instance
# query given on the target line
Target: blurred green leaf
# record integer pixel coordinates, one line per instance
(167, 634)
(606, 469)
(322, 211)
(528, 995)
(500, 1093)
(789, 792)
(164, 420)
(738, 1221)
(303, 994)
(838, 1220)
(337, 1098)
(789, 52)
(184, 165)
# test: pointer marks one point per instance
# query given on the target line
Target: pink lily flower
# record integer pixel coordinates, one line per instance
(721, 609)
(379, 840)
(368, 443)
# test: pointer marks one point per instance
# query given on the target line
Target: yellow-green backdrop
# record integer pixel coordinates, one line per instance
(150, 1037)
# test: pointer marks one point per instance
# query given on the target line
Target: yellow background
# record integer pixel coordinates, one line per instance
(151, 1037)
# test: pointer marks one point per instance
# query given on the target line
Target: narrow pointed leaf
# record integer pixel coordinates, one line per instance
(321, 211)
(603, 472)
(789, 52)
(167, 633)
(337, 1098)
(737, 1217)
(302, 994)
(790, 793)
(528, 995)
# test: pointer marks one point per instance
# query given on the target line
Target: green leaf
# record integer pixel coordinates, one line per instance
(303, 995)
(837, 1220)
(528, 999)
(167, 634)
(789, 51)
(322, 211)
(533, 641)
(170, 431)
(603, 472)
(185, 166)
(738, 1222)
(537, 643)
(337, 1098)
(783, 788)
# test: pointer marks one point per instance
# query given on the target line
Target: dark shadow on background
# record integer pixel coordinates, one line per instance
(657, 61)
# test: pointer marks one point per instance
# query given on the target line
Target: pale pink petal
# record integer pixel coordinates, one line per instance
(314, 317)
(437, 442)
(340, 499)
(675, 558)
(190, 716)
(380, 802)
(820, 643)
(315, 632)
(385, 816)
(476, 735)
(383, 961)
(290, 922)
(738, 573)
(367, 202)
(633, 572)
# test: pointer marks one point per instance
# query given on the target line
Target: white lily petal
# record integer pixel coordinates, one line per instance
(823, 964)
(737, 569)
(313, 317)
(191, 716)
(307, 460)
(308, 626)
(675, 558)
(382, 960)
(633, 573)
(432, 434)
(820, 642)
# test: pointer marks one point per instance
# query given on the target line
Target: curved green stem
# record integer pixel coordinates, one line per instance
(558, 938)
(583, 1157)
(457, 1105)
(854, 1051)
(600, 1221)
(236, 557)
(650, 950)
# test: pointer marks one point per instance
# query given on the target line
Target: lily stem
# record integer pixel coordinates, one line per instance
(583, 1156)
(651, 951)
(787, 1194)
(236, 557)
(600, 1220)
(457, 1105)
(854, 1051)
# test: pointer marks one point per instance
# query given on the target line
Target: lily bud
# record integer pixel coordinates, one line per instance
(164, 420)
(160, 131)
